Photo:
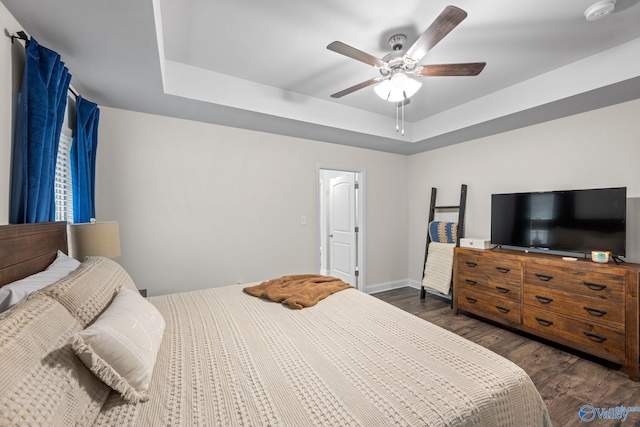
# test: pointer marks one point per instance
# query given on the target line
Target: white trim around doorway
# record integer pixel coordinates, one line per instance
(361, 199)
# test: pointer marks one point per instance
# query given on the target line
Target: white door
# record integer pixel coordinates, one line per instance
(342, 228)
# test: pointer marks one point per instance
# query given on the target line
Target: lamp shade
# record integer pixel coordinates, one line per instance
(398, 88)
(95, 239)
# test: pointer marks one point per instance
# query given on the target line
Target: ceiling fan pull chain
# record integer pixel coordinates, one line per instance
(397, 108)
(403, 119)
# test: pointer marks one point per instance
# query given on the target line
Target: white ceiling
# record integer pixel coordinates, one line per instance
(264, 65)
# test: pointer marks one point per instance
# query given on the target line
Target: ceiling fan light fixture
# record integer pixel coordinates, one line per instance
(599, 10)
(398, 88)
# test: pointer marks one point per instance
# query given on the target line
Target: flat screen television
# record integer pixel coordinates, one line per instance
(568, 221)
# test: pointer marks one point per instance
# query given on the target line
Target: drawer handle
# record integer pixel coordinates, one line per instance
(595, 311)
(502, 309)
(471, 263)
(544, 322)
(502, 290)
(544, 277)
(471, 282)
(503, 269)
(544, 300)
(471, 300)
(594, 286)
(594, 337)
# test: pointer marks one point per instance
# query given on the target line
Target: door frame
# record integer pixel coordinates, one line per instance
(360, 215)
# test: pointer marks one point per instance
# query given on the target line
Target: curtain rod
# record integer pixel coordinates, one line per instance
(21, 35)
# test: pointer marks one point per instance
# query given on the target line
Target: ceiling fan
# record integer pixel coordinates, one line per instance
(396, 68)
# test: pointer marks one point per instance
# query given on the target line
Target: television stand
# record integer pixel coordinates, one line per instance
(581, 304)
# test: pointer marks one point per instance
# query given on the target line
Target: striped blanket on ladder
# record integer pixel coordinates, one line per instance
(439, 266)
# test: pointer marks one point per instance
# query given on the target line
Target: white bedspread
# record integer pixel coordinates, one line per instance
(229, 359)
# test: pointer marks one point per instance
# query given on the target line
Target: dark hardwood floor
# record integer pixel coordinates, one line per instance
(566, 379)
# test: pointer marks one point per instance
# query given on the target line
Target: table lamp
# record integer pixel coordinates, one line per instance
(94, 239)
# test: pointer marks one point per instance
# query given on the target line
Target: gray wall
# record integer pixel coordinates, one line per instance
(9, 86)
(596, 149)
(202, 205)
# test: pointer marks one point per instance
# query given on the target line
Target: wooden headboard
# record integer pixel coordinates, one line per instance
(26, 249)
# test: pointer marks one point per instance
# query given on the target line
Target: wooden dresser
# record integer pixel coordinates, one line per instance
(581, 304)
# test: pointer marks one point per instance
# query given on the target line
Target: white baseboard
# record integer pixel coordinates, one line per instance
(415, 284)
(381, 287)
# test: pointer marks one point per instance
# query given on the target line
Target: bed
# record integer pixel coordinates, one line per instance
(229, 359)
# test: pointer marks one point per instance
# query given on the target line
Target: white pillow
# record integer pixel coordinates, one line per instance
(121, 346)
(15, 292)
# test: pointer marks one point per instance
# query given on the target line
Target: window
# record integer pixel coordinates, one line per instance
(63, 182)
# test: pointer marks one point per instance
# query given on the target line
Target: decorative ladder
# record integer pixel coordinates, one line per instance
(460, 232)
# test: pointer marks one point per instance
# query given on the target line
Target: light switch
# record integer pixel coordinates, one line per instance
(303, 220)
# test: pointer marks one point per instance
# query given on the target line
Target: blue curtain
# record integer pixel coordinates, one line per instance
(83, 160)
(43, 100)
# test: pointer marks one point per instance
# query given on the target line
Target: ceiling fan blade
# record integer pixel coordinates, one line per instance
(356, 87)
(354, 53)
(450, 17)
(468, 69)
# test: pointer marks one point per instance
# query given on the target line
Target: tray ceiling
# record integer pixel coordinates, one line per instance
(264, 65)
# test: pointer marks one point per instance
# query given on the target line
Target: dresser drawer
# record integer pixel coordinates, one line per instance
(480, 303)
(602, 338)
(587, 283)
(494, 268)
(486, 284)
(595, 310)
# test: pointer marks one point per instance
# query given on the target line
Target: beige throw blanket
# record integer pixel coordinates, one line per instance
(439, 267)
(298, 291)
